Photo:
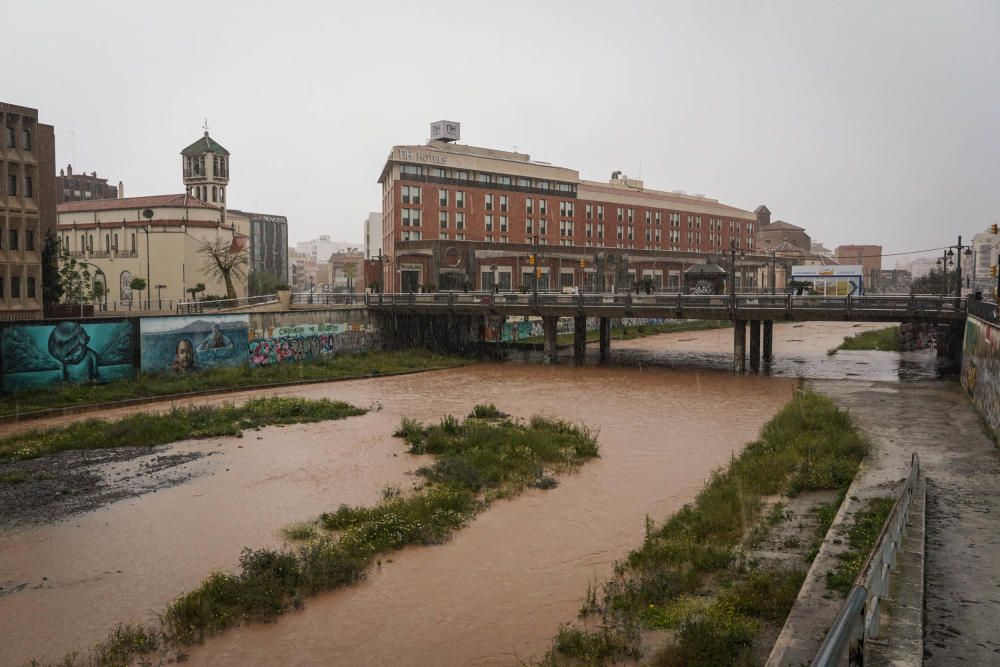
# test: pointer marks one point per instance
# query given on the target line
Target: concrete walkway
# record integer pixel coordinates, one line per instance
(962, 467)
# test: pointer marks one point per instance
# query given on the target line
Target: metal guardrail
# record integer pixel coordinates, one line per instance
(860, 617)
(192, 307)
(904, 304)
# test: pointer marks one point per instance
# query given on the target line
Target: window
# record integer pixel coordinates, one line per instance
(133, 243)
(542, 207)
(649, 234)
(566, 209)
(657, 218)
(444, 236)
(600, 230)
(503, 223)
(528, 204)
(529, 226)
(409, 170)
(460, 224)
(489, 202)
(590, 211)
(13, 239)
(648, 217)
(489, 238)
(489, 223)
(26, 139)
(566, 227)
(115, 246)
(12, 185)
(631, 215)
(631, 233)
(459, 199)
(620, 214)
(543, 228)
(443, 219)
(503, 180)
(9, 143)
(29, 189)
(524, 182)
(31, 287)
(215, 193)
(411, 194)
(460, 175)
(542, 185)
(437, 172)
(459, 237)
(600, 211)
(483, 178)
(620, 232)
(411, 216)
(590, 230)
(442, 197)
(675, 219)
(15, 287)
(107, 241)
(503, 203)
(690, 221)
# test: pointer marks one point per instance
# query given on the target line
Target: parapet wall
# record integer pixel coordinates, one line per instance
(981, 369)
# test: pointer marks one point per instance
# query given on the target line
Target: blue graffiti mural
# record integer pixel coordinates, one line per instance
(35, 355)
(190, 344)
(305, 342)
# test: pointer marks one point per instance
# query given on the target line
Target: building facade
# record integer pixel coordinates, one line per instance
(373, 235)
(463, 217)
(84, 187)
(868, 256)
(268, 246)
(27, 209)
(347, 272)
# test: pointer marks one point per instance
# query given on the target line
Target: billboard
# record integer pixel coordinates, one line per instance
(36, 355)
(839, 280)
(190, 344)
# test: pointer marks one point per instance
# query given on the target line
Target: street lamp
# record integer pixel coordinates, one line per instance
(957, 262)
(774, 270)
(158, 297)
(733, 249)
(148, 214)
(312, 283)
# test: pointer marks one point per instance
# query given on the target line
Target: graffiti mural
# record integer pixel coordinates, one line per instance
(190, 344)
(512, 332)
(305, 342)
(981, 369)
(36, 355)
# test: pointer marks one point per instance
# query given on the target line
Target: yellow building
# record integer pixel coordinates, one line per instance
(157, 238)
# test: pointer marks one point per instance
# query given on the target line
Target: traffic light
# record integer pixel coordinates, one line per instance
(583, 263)
(993, 271)
(538, 273)
(531, 260)
(993, 229)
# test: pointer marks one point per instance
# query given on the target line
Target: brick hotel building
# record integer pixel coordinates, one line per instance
(457, 216)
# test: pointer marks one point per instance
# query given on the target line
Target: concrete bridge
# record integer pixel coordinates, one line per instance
(756, 311)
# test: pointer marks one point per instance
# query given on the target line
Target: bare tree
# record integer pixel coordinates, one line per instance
(226, 261)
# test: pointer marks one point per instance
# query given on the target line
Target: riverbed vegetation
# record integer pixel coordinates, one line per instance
(695, 578)
(146, 386)
(150, 429)
(866, 525)
(884, 340)
(475, 461)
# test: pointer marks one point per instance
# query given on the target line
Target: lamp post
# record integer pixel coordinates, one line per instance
(732, 266)
(148, 214)
(535, 269)
(944, 261)
(159, 298)
(774, 270)
(312, 284)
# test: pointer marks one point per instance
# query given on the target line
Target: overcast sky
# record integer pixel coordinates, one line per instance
(862, 122)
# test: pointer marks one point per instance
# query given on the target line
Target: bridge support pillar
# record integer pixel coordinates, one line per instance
(768, 340)
(579, 339)
(740, 345)
(755, 345)
(549, 327)
(605, 338)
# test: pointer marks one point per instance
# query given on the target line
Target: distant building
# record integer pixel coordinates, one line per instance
(868, 256)
(891, 281)
(922, 266)
(322, 247)
(268, 247)
(985, 254)
(310, 274)
(27, 212)
(778, 232)
(347, 271)
(84, 187)
(818, 248)
(373, 235)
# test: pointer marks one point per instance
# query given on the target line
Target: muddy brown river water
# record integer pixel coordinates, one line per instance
(498, 591)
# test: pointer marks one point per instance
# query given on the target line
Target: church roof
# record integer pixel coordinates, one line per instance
(206, 144)
(169, 201)
(781, 224)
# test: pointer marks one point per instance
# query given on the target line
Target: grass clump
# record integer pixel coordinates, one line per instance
(150, 429)
(861, 537)
(487, 411)
(692, 574)
(476, 460)
(885, 340)
(243, 377)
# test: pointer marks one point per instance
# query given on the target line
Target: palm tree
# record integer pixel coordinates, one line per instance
(225, 261)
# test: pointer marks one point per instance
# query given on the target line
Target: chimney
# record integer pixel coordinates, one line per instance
(121, 190)
(69, 170)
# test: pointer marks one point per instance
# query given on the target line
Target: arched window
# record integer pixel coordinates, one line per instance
(107, 242)
(126, 281)
(133, 242)
(115, 246)
(90, 243)
(215, 165)
(222, 194)
(215, 194)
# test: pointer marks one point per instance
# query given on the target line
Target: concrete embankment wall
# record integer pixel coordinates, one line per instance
(981, 369)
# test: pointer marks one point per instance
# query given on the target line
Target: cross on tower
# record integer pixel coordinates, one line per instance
(205, 126)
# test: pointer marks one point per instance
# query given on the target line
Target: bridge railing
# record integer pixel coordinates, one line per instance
(191, 307)
(859, 619)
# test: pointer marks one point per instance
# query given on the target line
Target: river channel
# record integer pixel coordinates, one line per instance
(667, 413)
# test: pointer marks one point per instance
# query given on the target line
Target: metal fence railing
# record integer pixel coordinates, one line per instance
(984, 310)
(191, 307)
(859, 619)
